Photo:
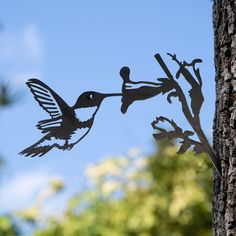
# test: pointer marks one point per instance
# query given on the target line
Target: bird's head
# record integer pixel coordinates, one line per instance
(92, 99)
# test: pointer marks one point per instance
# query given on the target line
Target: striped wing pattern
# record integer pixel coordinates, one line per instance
(51, 102)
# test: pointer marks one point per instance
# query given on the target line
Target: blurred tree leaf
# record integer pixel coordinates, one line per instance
(162, 194)
(8, 227)
(1, 26)
(2, 162)
(7, 95)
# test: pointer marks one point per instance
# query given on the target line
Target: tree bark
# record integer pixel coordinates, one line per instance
(224, 138)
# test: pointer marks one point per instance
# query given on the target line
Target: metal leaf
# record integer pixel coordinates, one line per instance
(170, 95)
(196, 99)
(198, 148)
(177, 133)
(166, 85)
(186, 144)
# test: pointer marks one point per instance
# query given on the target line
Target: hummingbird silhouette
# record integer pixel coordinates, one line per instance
(67, 125)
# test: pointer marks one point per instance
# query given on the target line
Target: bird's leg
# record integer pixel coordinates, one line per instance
(66, 145)
(70, 146)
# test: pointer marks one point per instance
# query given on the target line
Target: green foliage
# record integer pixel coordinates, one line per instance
(164, 194)
(7, 227)
(2, 162)
(7, 96)
(32, 214)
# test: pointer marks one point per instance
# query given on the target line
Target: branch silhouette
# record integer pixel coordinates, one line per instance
(170, 86)
(186, 142)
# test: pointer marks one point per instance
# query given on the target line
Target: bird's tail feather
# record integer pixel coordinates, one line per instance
(37, 149)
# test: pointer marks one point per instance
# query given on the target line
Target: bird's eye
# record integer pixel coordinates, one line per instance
(89, 96)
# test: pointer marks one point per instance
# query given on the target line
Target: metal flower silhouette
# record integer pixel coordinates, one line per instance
(133, 91)
(141, 90)
(67, 125)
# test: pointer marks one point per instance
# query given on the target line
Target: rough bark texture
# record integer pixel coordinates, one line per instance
(224, 191)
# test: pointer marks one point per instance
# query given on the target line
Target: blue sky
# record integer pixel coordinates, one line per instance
(74, 46)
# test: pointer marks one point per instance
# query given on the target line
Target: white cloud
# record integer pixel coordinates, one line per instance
(21, 53)
(20, 78)
(20, 191)
(25, 44)
(32, 42)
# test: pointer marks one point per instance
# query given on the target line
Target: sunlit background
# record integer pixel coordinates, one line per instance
(74, 46)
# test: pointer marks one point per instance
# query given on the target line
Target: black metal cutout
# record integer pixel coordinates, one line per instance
(171, 86)
(64, 124)
(133, 91)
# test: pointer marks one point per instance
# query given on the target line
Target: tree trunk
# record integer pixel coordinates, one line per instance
(224, 190)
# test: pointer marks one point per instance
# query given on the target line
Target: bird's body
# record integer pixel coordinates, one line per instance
(68, 125)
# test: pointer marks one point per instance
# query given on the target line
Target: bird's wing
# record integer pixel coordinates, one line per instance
(50, 101)
(49, 125)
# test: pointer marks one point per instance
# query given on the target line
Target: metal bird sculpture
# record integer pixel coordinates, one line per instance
(67, 125)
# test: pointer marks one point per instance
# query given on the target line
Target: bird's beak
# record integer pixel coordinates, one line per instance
(105, 95)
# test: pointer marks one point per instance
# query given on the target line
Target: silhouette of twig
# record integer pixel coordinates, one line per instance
(170, 86)
(186, 142)
(192, 115)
